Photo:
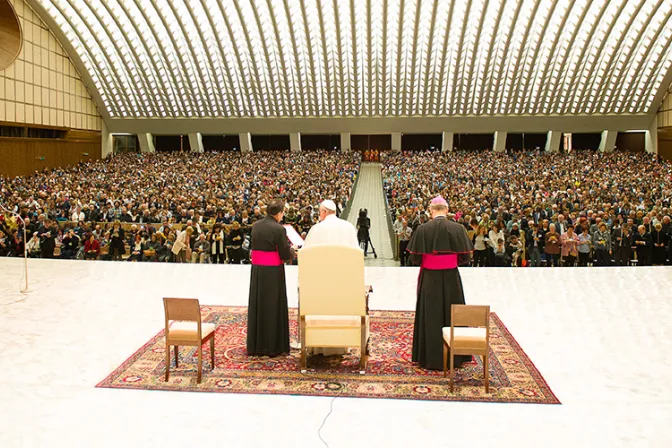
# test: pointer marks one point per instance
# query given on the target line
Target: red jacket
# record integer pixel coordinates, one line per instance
(92, 245)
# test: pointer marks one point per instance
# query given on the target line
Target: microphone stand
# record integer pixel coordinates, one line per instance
(25, 245)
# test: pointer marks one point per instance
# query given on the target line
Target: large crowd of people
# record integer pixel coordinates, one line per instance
(528, 208)
(537, 208)
(138, 206)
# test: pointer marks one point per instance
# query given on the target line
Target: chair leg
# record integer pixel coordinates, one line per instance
(167, 361)
(302, 340)
(486, 373)
(363, 359)
(200, 362)
(303, 358)
(452, 371)
(212, 352)
(362, 347)
(177, 355)
(445, 358)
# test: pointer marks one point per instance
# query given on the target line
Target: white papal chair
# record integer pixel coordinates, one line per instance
(333, 309)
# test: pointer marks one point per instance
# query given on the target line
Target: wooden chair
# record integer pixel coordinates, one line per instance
(333, 308)
(468, 334)
(184, 327)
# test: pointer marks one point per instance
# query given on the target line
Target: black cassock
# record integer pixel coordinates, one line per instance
(437, 289)
(267, 315)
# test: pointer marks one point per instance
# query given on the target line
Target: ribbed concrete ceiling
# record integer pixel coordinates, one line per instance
(371, 58)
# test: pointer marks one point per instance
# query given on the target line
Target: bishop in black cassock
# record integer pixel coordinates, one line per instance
(268, 316)
(438, 246)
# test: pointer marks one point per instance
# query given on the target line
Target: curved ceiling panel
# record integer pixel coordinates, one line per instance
(308, 58)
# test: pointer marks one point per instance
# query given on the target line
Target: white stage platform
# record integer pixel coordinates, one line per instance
(602, 338)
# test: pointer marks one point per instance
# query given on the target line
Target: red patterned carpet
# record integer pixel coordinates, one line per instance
(390, 373)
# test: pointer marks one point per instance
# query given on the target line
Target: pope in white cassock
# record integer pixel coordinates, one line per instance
(331, 230)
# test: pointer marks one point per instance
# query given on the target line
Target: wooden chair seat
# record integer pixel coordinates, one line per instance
(467, 337)
(185, 330)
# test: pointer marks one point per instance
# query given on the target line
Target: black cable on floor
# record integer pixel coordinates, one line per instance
(331, 409)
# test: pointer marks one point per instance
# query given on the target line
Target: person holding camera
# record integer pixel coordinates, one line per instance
(70, 245)
(363, 226)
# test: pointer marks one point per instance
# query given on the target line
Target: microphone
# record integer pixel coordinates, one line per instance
(20, 222)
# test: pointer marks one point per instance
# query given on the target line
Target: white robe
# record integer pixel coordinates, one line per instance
(332, 230)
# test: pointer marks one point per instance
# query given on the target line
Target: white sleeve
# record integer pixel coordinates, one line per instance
(307, 241)
(353, 237)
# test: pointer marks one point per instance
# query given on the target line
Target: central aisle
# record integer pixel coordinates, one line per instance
(369, 195)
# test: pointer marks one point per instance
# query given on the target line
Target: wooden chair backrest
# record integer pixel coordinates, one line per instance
(470, 316)
(331, 281)
(182, 309)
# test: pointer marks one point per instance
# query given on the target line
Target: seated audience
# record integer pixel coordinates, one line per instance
(584, 189)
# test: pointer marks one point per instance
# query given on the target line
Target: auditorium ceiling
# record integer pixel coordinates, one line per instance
(369, 58)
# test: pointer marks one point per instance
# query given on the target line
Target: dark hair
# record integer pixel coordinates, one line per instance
(275, 206)
(363, 213)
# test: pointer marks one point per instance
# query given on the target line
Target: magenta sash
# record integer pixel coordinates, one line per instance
(264, 258)
(439, 262)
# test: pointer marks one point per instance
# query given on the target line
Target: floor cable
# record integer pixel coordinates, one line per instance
(331, 409)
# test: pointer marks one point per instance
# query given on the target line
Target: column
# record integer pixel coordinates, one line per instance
(608, 141)
(295, 142)
(446, 141)
(651, 138)
(499, 144)
(196, 142)
(553, 140)
(396, 141)
(345, 142)
(245, 142)
(146, 143)
(107, 142)
(567, 139)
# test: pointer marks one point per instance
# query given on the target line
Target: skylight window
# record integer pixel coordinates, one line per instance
(249, 58)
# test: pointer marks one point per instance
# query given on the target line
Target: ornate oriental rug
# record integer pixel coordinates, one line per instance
(390, 372)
